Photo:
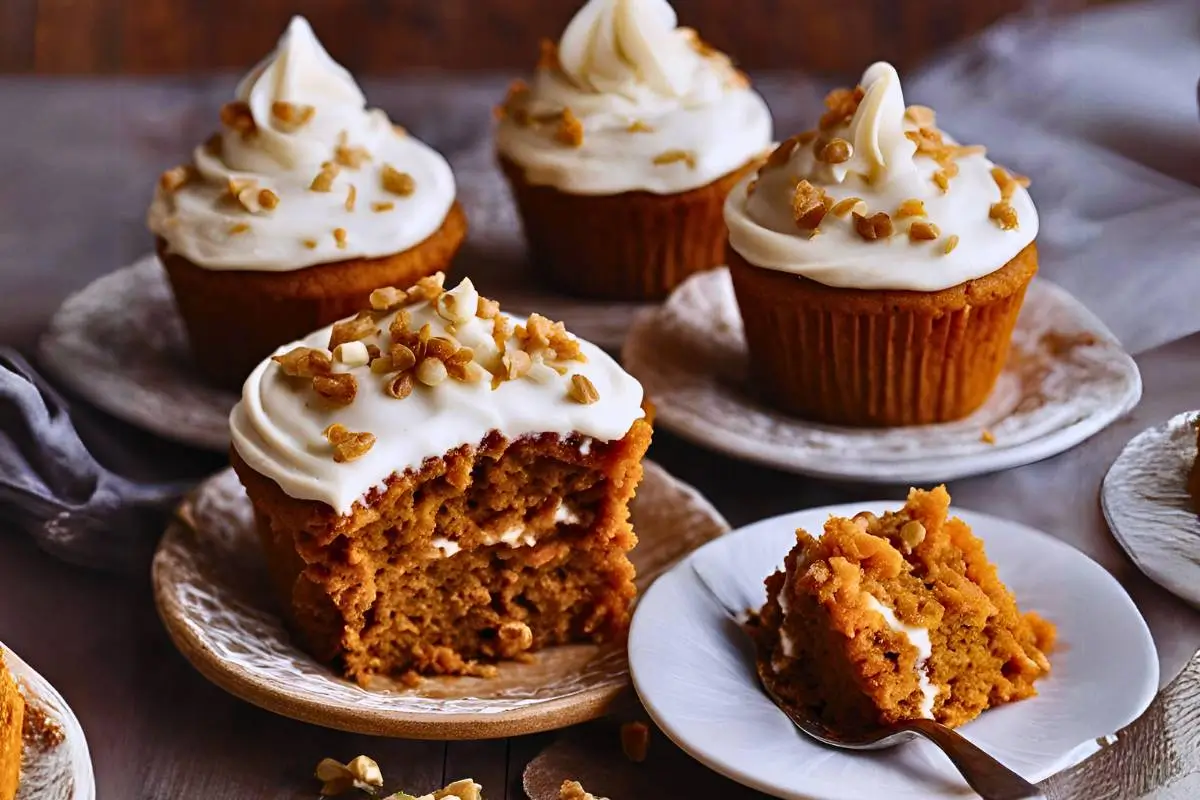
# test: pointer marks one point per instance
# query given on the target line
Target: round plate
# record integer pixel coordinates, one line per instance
(1066, 379)
(120, 343)
(56, 766)
(211, 588)
(1149, 510)
(694, 669)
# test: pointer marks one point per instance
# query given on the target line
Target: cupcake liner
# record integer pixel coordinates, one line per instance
(629, 246)
(236, 318)
(878, 358)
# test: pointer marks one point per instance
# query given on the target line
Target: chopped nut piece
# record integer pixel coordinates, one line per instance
(401, 386)
(573, 790)
(311, 244)
(239, 227)
(397, 182)
(1006, 183)
(635, 740)
(352, 354)
(951, 243)
(539, 372)
(381, 365)
(440, 347)
(513, 638)
(431, 371)
(922, 116)
(339, 236)
(487, 309)
(290, 117)
(350, 156)
(304, 362)
(570, 129)
(548, 57)
(387, 205)
(402, 357)
(876, 226)
(923, 232)
(348, 445)
(784, 151)
(844, 206)
(582, 390)
(268, 199)
(675, 156)
(237, 115)
(517, 364)
(177, 177)
(1004, 215)
(912, 533)
(323, 182)
(386, 298)
(841, 105)
(835, 151)
(351, 197)
(430, 287)
(911, 208)
(942, 180)
(808, 205)
(339, 389)
(357, 327)
(248, 198)
(459, 304)
(987, 437)
(513, 106)
(637, 126)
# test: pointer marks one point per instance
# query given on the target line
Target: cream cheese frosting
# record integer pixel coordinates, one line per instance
(301, 173)
(279, 428)
(799, 214)
(918, 637)
(629, 101)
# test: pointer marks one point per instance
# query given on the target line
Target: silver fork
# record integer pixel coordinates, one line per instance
(987, 776)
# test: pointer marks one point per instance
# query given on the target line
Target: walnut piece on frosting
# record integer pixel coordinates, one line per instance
(397, 182)
(570, 129)
(676, 156)
(290, 117)
(809, 205)
(876, 226)
(348, 445)
(323, 182)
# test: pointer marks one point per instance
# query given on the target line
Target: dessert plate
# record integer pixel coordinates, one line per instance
(55, 764)
(211, 588)
(121, 345)
(1067, 379)
(1149, 510)
(694, 670)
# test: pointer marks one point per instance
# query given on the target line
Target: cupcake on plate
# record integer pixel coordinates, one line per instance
(622, 150)
(302, 204)
(879, 265)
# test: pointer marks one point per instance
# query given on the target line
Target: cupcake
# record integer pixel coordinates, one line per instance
(879, 266)
(621, 152)
(302, 204)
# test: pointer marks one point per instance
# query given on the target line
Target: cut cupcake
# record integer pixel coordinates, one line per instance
(622, 150)
(879, 266)
(302, 204)
(898, 617)
(12, 715)
(438, 485)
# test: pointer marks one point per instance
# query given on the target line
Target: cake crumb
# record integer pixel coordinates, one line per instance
(987, 437)
(635, 740)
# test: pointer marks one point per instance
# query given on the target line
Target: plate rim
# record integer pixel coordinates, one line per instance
(1069, 759)
(916, 469)
(536, 717)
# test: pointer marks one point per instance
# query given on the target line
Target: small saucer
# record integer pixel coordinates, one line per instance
(210, 585)
(1149, 510)
(694, 669)
(120, 343)
(55, 764)
(1067, 378)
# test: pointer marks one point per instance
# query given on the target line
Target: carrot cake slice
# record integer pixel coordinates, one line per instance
(438, 485)
(12, 715)
(898, 617)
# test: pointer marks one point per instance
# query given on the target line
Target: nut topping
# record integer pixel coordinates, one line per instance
(397, 182)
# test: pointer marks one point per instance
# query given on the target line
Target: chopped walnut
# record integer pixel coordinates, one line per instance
(942, 180)
(397, 182)
(348, 445)
(635, 741)
(951, 243)
(1007, 183)
(250, 198)
(289, 117)
(238, 227)
(675, 156)
(386, 205)
(1004, 215)
(339, 237)
(516, 363)
(386, 298)
(540, 336)
(323, 182)
(177, 177)
(923, 232)
(351, 197)
(357, 327)
(835, 151)
(339, 388)
(911, 208)
(841, 105)
(784, 151)
(809, 205)
(459, 304)
(548, 57)
(637, 126)
(844, 206)
(921, 116)
(570, 129)
(268, 199)
(430, 287)
(304, 362)
(582, 390)
(237, 116)
(876, 226)
(350, 156)
(487, 309)
(311, 244)
(514, 103)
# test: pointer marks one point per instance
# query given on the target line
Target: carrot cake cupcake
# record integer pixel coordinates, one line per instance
(438, 485)
(300, 205)
(879, 266)
(12, 715)
(622, 150)
(897, 617)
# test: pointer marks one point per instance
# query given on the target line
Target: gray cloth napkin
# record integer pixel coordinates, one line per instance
(52, 487)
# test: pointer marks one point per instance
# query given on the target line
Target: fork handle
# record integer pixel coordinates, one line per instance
(987, 776)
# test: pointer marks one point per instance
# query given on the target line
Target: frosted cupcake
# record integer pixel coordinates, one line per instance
(302, 204)
(622, 150)
(879, 266)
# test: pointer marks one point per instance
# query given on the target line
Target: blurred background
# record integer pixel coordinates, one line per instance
(379, 36)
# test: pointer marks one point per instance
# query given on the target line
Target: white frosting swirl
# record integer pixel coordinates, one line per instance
(202, 222)
(624, 64)
(884, 170)
(278, 426)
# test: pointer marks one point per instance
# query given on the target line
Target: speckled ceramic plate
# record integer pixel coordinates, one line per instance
(694, 669)
(1067, 379)
(55, 765)
(211, 588)
(121, 344)
(1146, 503)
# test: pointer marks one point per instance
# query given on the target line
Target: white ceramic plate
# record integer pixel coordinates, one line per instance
(120, 343)
(1067, 379)
(56, 767)
(694, 670)
(1146, 503)
(211, 588)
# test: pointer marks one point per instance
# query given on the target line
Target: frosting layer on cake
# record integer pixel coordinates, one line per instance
(651, 107)
(517, 381)
(298, 158)
(800, 215)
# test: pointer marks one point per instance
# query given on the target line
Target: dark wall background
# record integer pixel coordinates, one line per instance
(164, 36)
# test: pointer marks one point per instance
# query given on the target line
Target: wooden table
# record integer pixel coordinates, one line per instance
(78, 160)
